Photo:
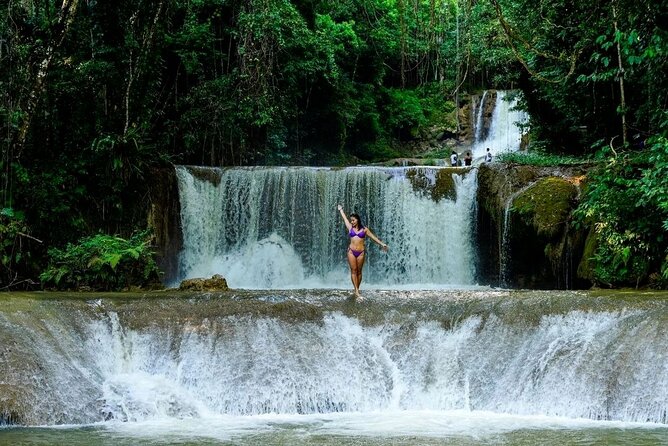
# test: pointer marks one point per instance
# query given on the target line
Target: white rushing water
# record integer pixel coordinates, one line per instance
(478, 117)
(581, 364)
(298, 367)
(279, 227)
(567, 366)
(505, 131)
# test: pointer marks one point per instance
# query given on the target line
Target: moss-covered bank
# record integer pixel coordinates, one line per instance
(526, 239)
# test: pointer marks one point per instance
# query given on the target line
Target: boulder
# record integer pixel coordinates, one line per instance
(524, 232)
(215, 283)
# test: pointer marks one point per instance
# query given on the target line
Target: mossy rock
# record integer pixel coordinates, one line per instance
(215, 283)
(445, 185)
(498, 181)
(586, 265)
(438, 187)
(296, 312)
(213, 176)
(546, 205)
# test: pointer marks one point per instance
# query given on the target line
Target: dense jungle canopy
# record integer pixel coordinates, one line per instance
(94, 95)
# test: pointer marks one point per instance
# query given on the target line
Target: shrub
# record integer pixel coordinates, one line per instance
(405, 115)
(540, 159)
(102, 263)
(15, 250)
(626, 202)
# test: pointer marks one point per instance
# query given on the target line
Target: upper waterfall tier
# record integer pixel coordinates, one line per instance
(279, 227)
(497, 123)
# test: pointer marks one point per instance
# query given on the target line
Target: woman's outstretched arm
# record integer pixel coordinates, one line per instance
(376, 239)
(345, 219)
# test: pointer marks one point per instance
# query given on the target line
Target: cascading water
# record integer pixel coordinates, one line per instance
(478, 117)
(505, 132)
(279, 227)
(165, 360)
(504, 240)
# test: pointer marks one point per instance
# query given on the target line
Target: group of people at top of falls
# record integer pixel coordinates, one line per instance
(468, 159)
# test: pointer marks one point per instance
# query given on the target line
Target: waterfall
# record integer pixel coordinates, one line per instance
(478, 117)
(279, 227)
(504, 251)
(504, 240)
(505, 131)
(153, 359)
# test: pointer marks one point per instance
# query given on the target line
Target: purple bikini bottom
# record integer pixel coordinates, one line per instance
(356, 253)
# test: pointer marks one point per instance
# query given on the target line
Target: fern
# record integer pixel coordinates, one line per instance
(102, 262)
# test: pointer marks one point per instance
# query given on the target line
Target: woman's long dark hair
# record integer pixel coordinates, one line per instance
(359, 220)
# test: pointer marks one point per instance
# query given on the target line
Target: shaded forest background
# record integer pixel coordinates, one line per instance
(94, 95)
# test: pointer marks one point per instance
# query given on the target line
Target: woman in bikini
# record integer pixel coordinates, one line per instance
(356, 251)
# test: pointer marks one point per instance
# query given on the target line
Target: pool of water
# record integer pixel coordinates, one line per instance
(380, 428)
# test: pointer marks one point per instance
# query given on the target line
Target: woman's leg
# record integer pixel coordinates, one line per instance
(352, 261)
(360, 263)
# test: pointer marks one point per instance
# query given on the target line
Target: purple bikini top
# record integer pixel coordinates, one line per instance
(360, 234)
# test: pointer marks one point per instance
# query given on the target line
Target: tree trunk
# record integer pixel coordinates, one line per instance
(621, 77)
(65, 18)
(402, 24)
(133, 72)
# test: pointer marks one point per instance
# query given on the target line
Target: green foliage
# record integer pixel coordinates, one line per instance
(379, 150)
(438, 154)
(135, 85)
(488, 56)
(438, 110)
(405, 114)
(15, 254)
(626, 203)
(541, 159)
(128, 156)
(102, 263)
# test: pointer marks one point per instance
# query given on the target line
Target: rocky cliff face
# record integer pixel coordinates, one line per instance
(525, 236)
(165, 219)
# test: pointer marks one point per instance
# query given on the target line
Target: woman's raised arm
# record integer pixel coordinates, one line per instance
(343, 215)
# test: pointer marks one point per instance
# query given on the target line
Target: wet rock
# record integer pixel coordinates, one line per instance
(213, 176)
(438, 185)
(487, 112)
(9, 414)
(165, 220)
(215, 283)
(524, 233)
(466, 128)
(586, 265)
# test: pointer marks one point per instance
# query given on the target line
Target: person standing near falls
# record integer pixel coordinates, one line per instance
(356, 250)
(488, 156)
(454, 159)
